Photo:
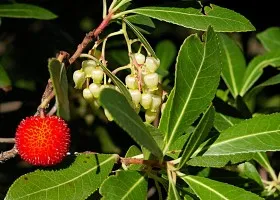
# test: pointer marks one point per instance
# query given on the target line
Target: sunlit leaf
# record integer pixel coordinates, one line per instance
(221, 19)
(125, 185)
(270, 38)
(208, 189)
(59, 80)
(233, 63)
(78, 181)
(19, 10)
(197, 76)
(125, 116)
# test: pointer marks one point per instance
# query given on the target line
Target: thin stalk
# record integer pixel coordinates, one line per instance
(120, 5)
(104, 9)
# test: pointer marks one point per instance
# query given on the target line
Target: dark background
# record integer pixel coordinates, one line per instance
(26, 45)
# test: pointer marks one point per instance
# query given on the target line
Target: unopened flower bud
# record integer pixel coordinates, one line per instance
(136, 96)
(151, 81)
(152, 64)
(140, 58)
(97, 75)
(88, 66)
(131, 82)
(156, 101)
(87, 95)
(150, 116)
(146, 100)
(79, 78)
(108, 115)
(95, 89)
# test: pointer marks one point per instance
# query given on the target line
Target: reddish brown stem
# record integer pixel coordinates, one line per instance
(138, 161)
(89, 37)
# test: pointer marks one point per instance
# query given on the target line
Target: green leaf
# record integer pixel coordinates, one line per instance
(60, 84)
(19, 10)
(177, 147)
(255, 69)
(133, 151)
(208, 189)
(234, 64)
(199, 135)
(248, 170)
(165, 117)
(172, 191)
(166, 57)
(220, 161)
(141, 37)
(270, 38)
(125, 185)
(5, 81)
(117, 82)
(262, 159)
(197, 76)
(156, 134)
(261, 133)
(141, 22)
(127, 118)
(221, 19)
(222, 122)
(251, 95)
(78, 181)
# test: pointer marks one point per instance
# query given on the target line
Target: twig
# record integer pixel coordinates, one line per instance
(89, 37)
(6, 155)
(151, 163)
(7, 140)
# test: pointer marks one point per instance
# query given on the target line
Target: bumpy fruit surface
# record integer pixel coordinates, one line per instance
(42, 141)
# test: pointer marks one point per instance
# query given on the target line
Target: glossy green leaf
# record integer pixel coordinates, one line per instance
(77, 181)
(270, 38)
(172, 190)
(251, 95)
(248, 170)
(125, 185)
(199, 135)
(197, 76)
(177, 147)
(141, 37)
(166, 57)
(221, 19)
(263, 135)
(255, 69)
(118, 83)
(156, 134)
(4, 78)
(59, 80)
(208, 189)
(19, 10)
(220, 161)
(222, 122)
(133, 151)
(141, 23)
(165, 117)
(124, 115)
(233, 63)
(262, 159)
